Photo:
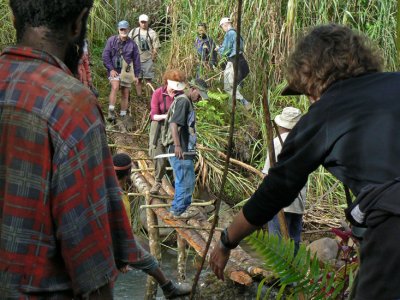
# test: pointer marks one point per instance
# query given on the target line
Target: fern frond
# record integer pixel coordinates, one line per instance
(301, 272)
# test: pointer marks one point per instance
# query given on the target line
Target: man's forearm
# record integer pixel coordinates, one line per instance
(240, 228)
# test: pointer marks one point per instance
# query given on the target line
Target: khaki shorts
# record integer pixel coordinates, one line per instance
(122, 83)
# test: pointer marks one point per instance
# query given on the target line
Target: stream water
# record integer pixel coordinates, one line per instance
(132, 285)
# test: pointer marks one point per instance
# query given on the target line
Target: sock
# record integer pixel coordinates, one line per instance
(122, 113)
(111, 107)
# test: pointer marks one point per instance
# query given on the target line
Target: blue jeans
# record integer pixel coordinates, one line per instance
(184, 184)
(294, 225)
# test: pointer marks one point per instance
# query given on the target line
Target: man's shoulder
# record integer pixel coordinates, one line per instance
(151, 32)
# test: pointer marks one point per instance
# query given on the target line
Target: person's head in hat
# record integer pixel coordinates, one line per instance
(225, 23)
(198, 90)
(144, 21)
(174, 80)
(327, 54)
(287, 119)
(123, 29)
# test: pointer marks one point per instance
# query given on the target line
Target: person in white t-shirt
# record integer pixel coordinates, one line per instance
(148, 43)
(294, 212)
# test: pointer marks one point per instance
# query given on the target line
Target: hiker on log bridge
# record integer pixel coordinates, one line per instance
(351, 130)
(147, 263)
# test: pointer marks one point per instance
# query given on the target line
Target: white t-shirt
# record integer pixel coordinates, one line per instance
(298, 206)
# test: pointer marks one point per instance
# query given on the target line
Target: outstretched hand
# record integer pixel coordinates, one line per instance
(218, 260)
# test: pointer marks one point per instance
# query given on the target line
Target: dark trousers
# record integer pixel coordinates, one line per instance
(379, 274)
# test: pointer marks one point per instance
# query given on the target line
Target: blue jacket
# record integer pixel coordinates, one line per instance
(228, 47)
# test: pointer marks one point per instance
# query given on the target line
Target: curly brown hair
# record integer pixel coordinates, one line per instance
(175, 75)
(329, 53)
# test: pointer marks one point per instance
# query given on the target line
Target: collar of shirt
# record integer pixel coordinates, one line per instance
(29, 53)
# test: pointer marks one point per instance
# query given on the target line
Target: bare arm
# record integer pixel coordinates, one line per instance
(175, 137)
(238, 230)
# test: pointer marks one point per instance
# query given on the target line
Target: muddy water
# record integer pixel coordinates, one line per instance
(132, 285)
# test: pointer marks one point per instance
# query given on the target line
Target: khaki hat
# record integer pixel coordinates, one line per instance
(176, 85)
(225, 20)
(288, 118)
(144, 18)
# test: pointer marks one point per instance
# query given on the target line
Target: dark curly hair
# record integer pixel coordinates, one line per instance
(54, 15)
(329, 53)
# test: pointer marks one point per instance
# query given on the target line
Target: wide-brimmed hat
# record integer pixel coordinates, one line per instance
(176, 85)
(288, 118)
(123, 24)
(201, 85)
(144, 18)
(225, 20)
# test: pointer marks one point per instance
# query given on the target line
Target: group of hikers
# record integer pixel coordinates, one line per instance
(64, 230)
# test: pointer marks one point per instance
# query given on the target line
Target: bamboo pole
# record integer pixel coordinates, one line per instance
(155, 250)
(271, 153)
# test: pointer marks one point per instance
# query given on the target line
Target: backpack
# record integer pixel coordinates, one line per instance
(166, 134)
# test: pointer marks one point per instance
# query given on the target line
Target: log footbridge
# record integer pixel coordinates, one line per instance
(241, 268)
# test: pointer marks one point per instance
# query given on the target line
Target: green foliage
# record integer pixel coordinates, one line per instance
(300, 274)
(208, 111)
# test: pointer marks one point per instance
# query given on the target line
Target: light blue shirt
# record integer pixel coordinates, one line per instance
(228, 47)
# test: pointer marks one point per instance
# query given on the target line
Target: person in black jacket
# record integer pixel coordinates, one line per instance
(351, 129)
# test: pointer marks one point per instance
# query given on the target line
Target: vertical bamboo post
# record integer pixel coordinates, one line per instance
(155, 249)
(181, 258)
(271, 153)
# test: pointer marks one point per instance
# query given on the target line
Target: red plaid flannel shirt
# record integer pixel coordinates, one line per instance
(63, 227)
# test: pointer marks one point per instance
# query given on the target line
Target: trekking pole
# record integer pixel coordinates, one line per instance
(228, 155)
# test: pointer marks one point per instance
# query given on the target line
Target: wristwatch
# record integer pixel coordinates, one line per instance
(225, 240)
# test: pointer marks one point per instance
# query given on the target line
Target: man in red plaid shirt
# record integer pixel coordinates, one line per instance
(64, 232)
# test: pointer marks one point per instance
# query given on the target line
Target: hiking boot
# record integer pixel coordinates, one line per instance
(174, 290)
(155, 189)
(187, 214)
(111, 116)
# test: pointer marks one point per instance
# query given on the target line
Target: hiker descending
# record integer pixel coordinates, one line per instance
(146, 262)
(285, 122)
(205, 48)
(351, 129)
(122, 61)
(179, 137)
(148, 44)
(228, 53)
(64, 232)
(161, 101)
